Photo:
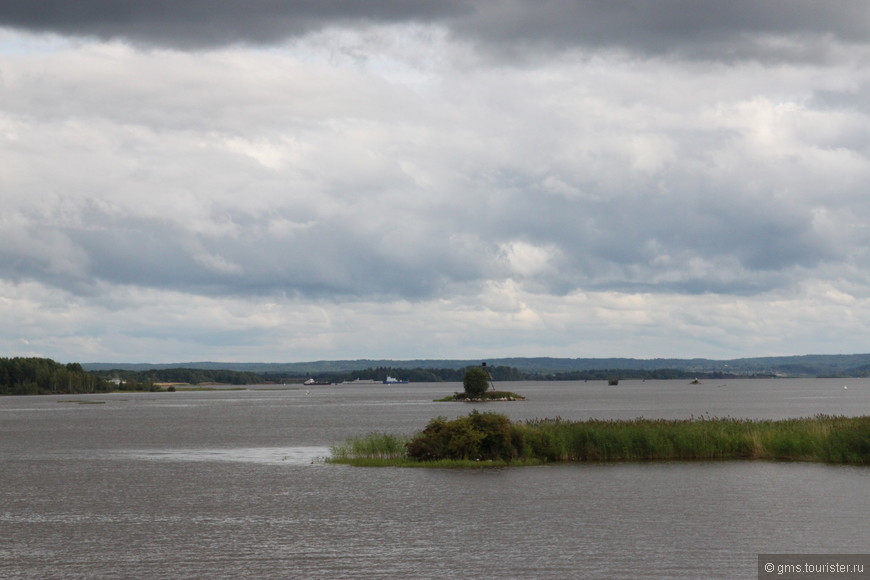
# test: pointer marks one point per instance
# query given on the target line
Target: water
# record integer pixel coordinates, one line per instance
(226, 484)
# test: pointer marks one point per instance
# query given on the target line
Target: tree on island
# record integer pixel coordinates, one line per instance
(475, 382)
(478, 386)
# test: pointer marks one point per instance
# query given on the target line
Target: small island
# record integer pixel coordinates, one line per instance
(478, 388)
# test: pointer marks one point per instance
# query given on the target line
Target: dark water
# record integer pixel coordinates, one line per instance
(222, 485)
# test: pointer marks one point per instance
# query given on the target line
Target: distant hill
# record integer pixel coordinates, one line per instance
(813, 365)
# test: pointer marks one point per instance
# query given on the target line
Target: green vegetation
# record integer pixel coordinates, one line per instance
(34, 376)
(475, 382)
(492, 439)
(479, 436)
(371, 446)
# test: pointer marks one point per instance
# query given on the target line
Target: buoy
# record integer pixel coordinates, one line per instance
(845, 386)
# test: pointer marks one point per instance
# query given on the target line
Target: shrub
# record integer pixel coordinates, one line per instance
(479, 436)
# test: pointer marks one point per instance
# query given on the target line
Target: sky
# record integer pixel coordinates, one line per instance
(285, 180)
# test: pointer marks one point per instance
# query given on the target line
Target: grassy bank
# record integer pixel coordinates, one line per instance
(492, 439)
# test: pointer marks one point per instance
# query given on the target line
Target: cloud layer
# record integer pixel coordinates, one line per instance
(724, 31)
(296, 181)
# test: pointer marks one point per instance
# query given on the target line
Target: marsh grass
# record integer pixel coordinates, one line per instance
(374, 446)
(824, 438)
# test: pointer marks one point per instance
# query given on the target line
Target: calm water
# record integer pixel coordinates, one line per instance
(222, 485)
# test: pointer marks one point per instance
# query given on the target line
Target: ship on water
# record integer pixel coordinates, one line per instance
(394, 381)
(313, 381)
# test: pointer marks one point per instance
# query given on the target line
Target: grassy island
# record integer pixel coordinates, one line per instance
(493, 440)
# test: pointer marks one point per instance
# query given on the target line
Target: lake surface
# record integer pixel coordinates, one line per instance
(225, 484)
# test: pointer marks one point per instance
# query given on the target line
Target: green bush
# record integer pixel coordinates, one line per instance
(479, 437)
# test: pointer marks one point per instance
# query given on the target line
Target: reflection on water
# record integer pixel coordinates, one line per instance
(228, 485)
(288, 455)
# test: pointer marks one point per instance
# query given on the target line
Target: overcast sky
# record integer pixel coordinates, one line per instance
(281, 180)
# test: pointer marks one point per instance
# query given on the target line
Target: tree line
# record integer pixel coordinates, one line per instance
(415, 375)
(380, 373)
(33, 376)
(502, 373)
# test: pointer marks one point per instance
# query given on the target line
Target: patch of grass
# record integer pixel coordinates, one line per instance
(492, 440)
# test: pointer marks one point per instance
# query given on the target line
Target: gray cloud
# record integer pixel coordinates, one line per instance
(740, 29)
(201, 23)
(777, 30)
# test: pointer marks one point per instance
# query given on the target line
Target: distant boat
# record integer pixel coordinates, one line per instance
(316, 382)
(394, 381)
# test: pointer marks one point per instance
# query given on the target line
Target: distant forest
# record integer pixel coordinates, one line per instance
(33, 376)
(30, 376)
(536, 368)
(36, 376)
(414, 375)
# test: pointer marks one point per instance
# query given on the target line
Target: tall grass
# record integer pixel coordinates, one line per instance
(822, 438)
(371, 446)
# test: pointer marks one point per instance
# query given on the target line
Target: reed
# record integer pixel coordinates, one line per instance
(491, 439)
(822, 438)
(374, 446)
